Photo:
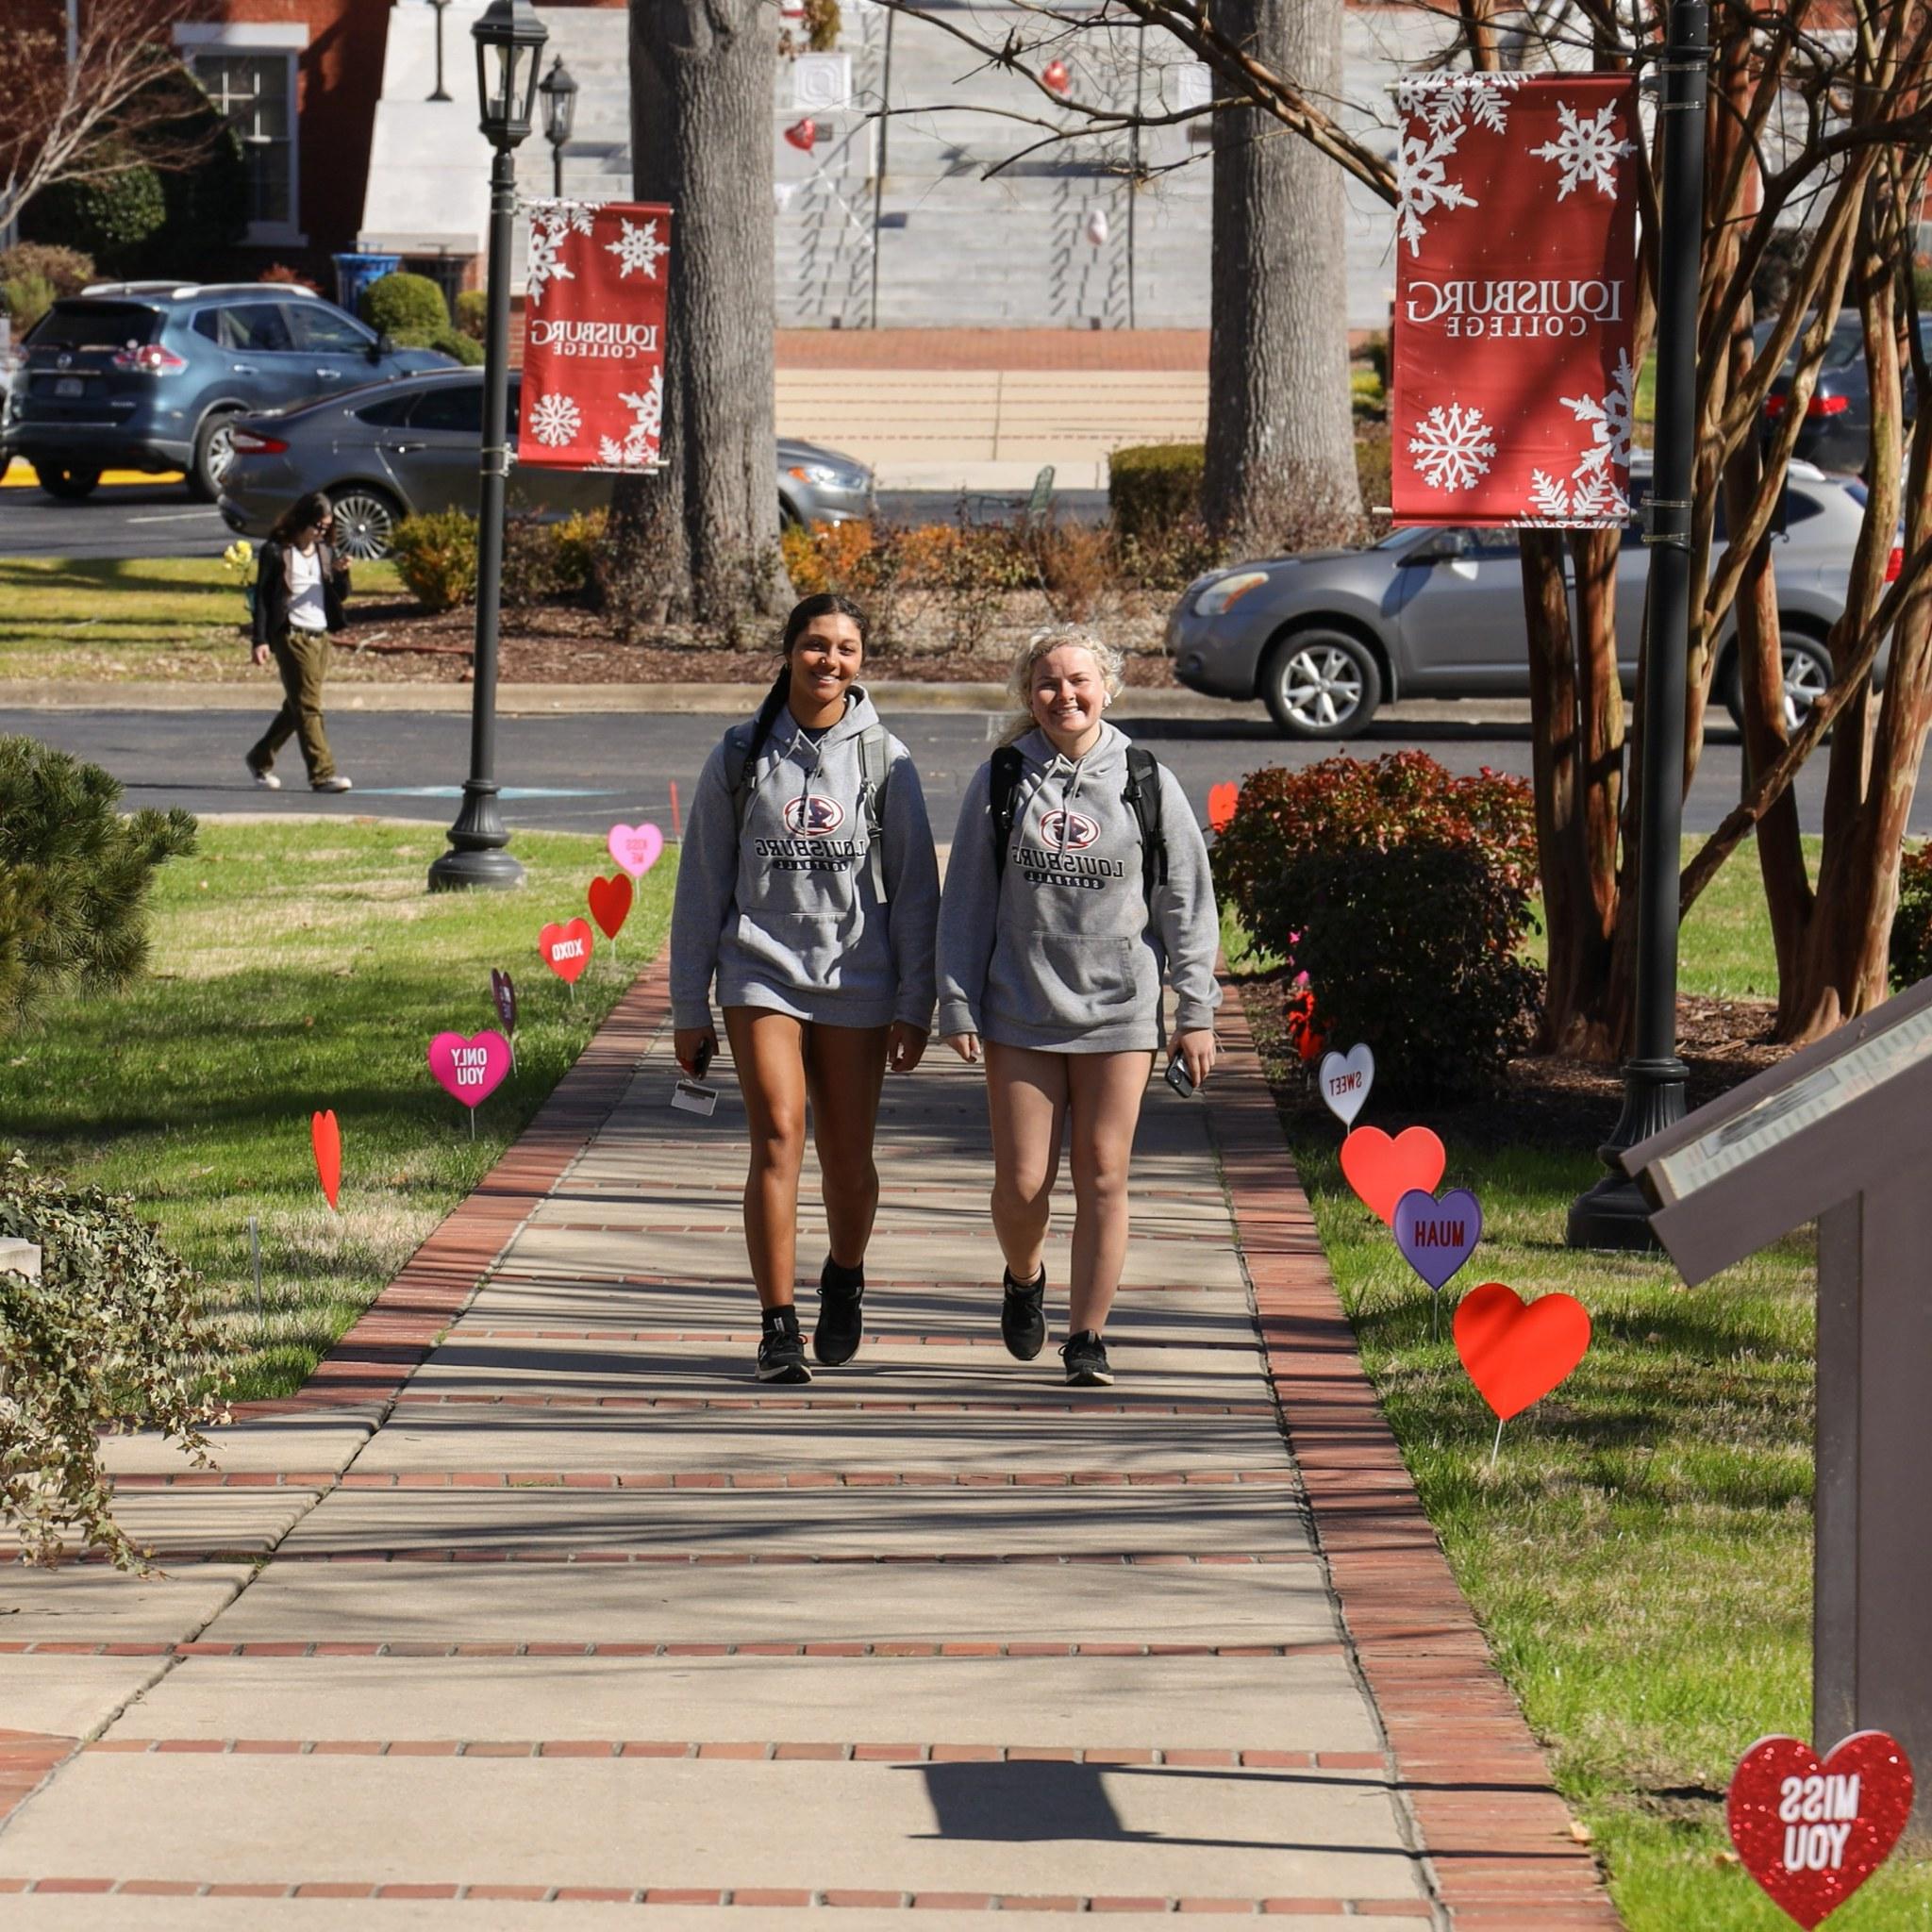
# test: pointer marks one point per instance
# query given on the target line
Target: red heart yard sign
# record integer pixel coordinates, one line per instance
(1381, 1171)
(802, 134)
(1811, 1832)
(1515, 1351)
(325, 1137)
(1221, 801)
(610, 902)
(566, 949)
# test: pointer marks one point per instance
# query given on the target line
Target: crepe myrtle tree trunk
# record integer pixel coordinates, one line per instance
(1280, 460)
(698, 541)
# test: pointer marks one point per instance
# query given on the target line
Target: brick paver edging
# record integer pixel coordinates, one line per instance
(1496, 1836)
(396, 1333)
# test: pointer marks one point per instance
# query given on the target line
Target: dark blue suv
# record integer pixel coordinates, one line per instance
(151, 376)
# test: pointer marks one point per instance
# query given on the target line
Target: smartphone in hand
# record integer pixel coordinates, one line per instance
(1178, 1078)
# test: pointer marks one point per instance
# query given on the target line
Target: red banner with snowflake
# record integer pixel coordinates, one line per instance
(595, 279)
(1516, 244)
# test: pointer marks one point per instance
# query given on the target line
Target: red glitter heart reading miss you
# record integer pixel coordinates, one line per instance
(1811, 1832)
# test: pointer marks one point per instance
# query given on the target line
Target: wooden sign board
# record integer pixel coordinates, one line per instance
(1841, 1132)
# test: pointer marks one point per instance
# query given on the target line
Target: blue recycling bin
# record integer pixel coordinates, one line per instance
(354, 273)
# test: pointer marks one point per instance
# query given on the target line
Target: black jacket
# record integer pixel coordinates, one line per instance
(272, 592)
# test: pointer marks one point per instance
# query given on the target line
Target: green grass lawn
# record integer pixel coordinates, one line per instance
(1641, 1553)
(172, 617)
(298, 967)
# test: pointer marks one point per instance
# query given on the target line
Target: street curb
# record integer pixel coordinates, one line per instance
(1497, 1839)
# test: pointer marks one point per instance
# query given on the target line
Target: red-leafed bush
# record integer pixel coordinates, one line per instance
(1405, 893)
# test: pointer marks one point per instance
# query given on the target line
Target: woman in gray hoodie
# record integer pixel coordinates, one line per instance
(1079, 881)
(808, 889)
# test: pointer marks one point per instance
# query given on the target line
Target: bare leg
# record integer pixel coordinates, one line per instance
(1106, 1088)
(844, 1067)
(1026, 1102)
(768, 1051)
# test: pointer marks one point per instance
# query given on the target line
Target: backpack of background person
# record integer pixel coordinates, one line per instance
(1141, 795)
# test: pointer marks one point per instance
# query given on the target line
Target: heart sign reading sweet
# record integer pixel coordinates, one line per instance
(1812, 1832)
(1221, 801)
(1381, 1171)
(1345, 1079)
(473, 1069)
(1515, 1351)
(636, 848)
(503, 990)
(325, 1137)
(1437, 1237)
(610, 900)
(566, 949)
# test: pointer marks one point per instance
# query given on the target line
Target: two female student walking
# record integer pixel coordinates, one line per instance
(808, 891)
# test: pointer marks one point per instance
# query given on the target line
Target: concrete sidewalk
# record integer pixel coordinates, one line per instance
(534, 1601)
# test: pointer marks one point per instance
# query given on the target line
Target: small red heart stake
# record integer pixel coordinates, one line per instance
(802, 134)
(1515, 1351)
(325, 1137)
(1811, 1832)
(1056, 75)
(566, 949)
(1221, 801)
(610, 903)
(1381, 1171)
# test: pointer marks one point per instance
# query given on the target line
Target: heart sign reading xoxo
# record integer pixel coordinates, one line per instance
(1345, 1079)
(1515, 1351)
(566, 949)
(610, 902)
(1223, 799)
(472, 1070)
(636, 848)
(1812, 1832)
(503, 990)
(325, 1137)
(1381, 1171)
(1437, 1237)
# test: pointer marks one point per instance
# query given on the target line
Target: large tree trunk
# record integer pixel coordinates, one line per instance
(1280, 464)
(699, 540)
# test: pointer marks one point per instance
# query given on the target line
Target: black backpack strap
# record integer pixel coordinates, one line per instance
(1003, 794)
(1142, 798)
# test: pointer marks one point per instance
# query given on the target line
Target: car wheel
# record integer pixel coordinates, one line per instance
(67, 481)
(214, 451)
(1807, 676)
(365, 523)
(789, 518)
(1320, 684)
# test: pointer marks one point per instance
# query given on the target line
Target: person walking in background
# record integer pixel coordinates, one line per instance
(808, 888)
(1079, 880)
(300, 591)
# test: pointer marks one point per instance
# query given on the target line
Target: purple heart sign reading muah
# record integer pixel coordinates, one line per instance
(503, 990)
(1436, 1236)
(1345, 1079)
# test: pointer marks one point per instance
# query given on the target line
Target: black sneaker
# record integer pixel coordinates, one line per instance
(1085, 1355)
(781, 1352)
(1023, 1316)
(841, 1320)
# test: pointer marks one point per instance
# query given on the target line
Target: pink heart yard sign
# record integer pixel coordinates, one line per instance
(636, 848)
(470, 1070)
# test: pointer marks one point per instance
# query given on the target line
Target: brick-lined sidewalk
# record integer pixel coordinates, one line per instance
(559, 1609)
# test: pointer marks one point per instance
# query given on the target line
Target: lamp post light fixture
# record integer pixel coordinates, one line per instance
(442, 8)
(510, 44)
(560, 91)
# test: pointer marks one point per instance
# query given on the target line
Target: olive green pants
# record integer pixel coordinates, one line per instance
(302, 657)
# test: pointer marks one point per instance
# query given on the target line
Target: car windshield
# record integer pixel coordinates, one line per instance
(95, 326)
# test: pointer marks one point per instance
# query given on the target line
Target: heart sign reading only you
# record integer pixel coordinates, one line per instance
(566, 949)
(1515, 1351)
(1345, 1079)
(1812, 1831)
(636, 848)
(471, 1069)
(325, 1137)
(1381, 1171)
(1437, 1237)
(610, 903)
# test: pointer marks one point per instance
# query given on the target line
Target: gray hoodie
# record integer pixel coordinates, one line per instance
(1061, 952)
(785, 914)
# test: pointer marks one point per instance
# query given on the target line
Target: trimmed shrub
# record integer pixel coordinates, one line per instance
(98, 1342)
(409, 308)
(436, 557)
(113, 217)
(25, 298)
(1911, 929)
(550, 563)
(1151, 486)
(75, 876)
(66, 271)
(453, 342)
(1404, 894)
(472, 315)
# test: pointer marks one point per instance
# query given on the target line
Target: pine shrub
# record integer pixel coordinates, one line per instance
(409, 307)
(1152, 486)
(1405, 893)
(436, 556)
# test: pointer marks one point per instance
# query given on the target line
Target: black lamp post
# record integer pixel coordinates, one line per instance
(559, 92)
(1613, 1214)
(441, 92)
(510, 44)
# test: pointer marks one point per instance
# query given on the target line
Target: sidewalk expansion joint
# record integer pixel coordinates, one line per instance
(411, 1647)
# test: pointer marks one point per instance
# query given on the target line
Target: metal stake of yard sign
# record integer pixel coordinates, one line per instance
(255, 1258)
(1841, 1132)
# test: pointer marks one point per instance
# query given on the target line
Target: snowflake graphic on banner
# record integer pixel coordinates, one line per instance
(1586, 149)
(1452, 446)
(1593, 495)
(1447, 105)
(555, 421)
(551, 222)
(639, 449)
(638, 248)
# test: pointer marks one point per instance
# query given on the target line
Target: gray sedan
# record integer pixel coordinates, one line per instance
(398, 449)
(1324, 638)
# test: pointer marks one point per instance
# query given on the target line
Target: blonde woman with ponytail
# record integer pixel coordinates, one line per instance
(807, 889)
(1077, 887)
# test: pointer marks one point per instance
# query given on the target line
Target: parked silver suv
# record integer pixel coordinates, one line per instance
(1324, 638)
